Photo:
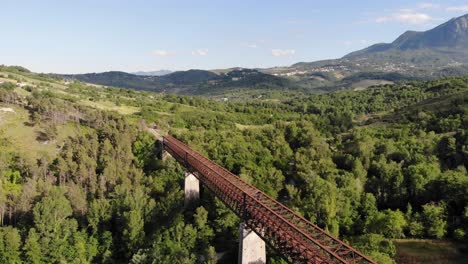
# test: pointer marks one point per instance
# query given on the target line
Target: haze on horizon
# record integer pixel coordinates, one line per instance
(95, 36)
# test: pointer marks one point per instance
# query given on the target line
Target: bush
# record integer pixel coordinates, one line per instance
(416, 228)
(459, 234)
(8, 86)
(433, 218)
(374, 244)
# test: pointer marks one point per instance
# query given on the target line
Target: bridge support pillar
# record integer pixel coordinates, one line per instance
(192, 190)
(164, 155)
(251, 247)
(160, 149)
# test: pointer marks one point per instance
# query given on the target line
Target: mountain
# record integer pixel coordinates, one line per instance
(446, 43)
(451, 34)
(152, 73)
(441, 51)
(188, 82)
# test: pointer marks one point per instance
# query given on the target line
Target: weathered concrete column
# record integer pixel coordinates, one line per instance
(165, 155)
(161, 151)
(192, 190)
(251, 247)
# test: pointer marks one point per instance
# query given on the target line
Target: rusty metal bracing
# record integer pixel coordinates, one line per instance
(294, 237)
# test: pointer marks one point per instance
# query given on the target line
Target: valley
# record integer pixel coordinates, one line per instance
(378, 154)
(221, 132)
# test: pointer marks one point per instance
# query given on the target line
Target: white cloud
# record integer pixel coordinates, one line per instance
(428, 5)
(406, 16)
(163, 53)
(253, 46)
(463, 8)
(200, 52)
(282, 52)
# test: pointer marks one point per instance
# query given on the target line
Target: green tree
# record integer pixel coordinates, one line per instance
(386, 181)
(99, 213)
(459, 234)
(388, 223)
(415, 227)
(204, 231)
(135, 208)
(32, 248)
(417, 177)
(433, 218)
(144, 150)
(175, 245)
(318, 202)
(10, 244)
(377, 246)
(57, 231)
(210, 256)
(85, 247)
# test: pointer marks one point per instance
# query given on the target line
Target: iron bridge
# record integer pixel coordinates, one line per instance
(294, 237)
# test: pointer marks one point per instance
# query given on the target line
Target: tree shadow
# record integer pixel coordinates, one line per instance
(42, 136)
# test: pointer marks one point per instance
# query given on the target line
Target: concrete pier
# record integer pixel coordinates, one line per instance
(192, 190)
(165, 155)
(251, 247)
(162, 153)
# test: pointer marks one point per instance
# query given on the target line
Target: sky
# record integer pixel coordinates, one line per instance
(65, 36)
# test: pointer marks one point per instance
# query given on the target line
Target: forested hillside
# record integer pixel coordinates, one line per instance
(81, 180)
(191, 82)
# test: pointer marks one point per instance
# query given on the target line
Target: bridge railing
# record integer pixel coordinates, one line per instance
(289, 233)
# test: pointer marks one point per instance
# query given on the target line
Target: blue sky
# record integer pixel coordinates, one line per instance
(99, 35)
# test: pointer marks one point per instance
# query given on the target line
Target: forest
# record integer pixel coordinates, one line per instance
(81, 179)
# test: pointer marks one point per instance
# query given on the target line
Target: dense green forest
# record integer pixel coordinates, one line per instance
(81, 180)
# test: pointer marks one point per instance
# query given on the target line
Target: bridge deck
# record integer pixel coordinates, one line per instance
(296, 238)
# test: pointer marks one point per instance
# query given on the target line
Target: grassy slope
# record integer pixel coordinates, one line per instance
(23, 138)
(417, 251)
(439, 104)
(110, 106)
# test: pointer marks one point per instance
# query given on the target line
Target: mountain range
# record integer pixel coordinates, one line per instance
(441, 51)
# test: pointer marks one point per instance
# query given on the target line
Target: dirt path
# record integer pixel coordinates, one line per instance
(157, 133)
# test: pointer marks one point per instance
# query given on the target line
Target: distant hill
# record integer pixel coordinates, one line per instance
(152, 73)
(190, 77)
(118, 79)
(188, 82)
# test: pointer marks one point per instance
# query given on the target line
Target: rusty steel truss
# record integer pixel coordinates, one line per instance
(294, 237)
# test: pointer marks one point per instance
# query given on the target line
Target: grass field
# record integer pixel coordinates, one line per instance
(251, 127)
(416, 251)
(110, 106)
(31, 81)
(24, 138)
